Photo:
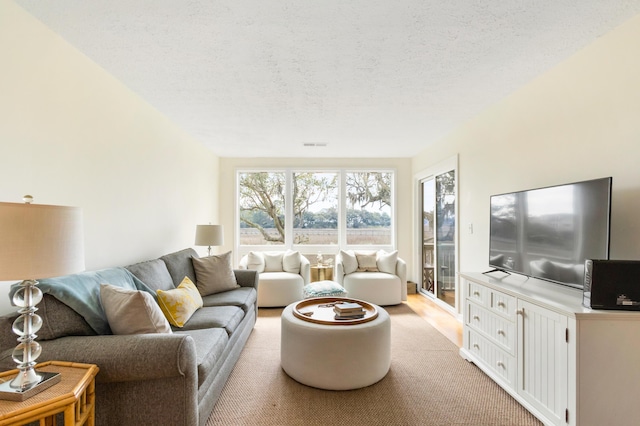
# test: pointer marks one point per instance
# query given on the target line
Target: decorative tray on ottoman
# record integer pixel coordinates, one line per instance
(320, 311)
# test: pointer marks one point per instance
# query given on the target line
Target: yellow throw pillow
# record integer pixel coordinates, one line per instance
(180, 303)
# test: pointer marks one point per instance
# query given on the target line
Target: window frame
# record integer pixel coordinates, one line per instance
(312, 249)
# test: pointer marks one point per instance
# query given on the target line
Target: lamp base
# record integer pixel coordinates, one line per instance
(9, 393)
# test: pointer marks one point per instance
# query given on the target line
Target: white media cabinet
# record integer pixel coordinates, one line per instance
(566, 364)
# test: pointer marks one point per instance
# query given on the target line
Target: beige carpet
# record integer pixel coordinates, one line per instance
(428, 384)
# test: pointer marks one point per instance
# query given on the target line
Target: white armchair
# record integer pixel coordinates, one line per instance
(375, 277)
(281, 276)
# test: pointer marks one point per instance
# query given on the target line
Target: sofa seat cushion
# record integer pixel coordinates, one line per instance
(210, 346)
(279, 288)
(374, 287)
(226, 317)
(288, 277)
(243, 297)
(153, 273)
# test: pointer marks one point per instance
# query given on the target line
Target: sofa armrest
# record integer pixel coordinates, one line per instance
(338, 270)
(401, 271)
(246, 277)
(305, 269)
(127, 358)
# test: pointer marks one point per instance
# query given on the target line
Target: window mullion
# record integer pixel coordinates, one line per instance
(342, 209)
(288, 210)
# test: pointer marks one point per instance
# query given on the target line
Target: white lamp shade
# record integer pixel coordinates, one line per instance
(40, 241)
(209, 235)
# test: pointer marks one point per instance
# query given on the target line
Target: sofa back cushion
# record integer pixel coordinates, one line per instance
(81, 292)
(59, 320)
(153, 273)
(179, 265)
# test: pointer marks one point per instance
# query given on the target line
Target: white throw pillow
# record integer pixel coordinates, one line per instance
(387, 261)
(349, 261)
(272, 261)
(132, 311)
(367, 261)
(255, 261)
(291, 262)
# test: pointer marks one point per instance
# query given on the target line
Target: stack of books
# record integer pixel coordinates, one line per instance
(348, 310)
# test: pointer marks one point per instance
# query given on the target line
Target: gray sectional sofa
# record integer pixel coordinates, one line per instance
(147, 379)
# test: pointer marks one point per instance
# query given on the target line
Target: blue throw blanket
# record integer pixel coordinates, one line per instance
(81, 292)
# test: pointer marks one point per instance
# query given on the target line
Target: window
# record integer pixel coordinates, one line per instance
(315, 209)
(262, 208)
(368, 208)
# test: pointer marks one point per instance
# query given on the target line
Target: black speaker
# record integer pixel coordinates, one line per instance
(611, 284)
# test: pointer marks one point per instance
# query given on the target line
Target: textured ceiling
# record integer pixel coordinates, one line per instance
(368, 78)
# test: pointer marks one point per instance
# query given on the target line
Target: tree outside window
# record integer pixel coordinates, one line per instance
(368, 208)
(315, 210)
(262, 208)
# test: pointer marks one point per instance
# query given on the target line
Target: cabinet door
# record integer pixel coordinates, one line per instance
(542, 360)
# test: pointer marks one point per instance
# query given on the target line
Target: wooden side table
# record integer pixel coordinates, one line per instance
(74, 396)
(321, 273)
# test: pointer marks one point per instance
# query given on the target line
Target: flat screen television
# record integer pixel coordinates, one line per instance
(549, 232)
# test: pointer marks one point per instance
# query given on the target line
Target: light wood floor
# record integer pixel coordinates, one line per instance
(439, 318)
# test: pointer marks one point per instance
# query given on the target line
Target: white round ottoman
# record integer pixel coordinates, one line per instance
(335, 357)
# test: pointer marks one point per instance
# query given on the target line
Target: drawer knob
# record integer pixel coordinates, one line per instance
(500, 364)
(475, 345)
(476, 293)
(501, 305)
(501, 332)
(477, 318)
(520, 312)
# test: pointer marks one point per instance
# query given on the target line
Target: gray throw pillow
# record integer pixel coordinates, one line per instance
(214, 274)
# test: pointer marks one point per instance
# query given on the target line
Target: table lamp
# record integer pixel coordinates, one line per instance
(209, 235)
(36, 241)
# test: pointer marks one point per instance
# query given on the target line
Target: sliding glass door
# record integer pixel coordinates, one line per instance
(438, 235)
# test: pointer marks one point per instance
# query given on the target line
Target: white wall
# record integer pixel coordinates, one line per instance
(580, 120)
(70, 134)
(229, 166)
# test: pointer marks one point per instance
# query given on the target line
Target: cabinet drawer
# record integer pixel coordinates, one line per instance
(503, 304)
(492, 358)
(499, 330)
(478, 293)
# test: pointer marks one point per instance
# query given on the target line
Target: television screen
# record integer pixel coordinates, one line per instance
(549, 232)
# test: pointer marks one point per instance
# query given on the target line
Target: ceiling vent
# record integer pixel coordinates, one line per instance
(315, 144)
